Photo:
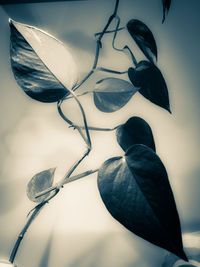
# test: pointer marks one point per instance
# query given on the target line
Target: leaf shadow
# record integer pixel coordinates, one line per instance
(46, 255)
(22, 13)
(92, 256)
(81, 40)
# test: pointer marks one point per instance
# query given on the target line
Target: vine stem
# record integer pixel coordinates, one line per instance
(126, 47)
(119, 29)
(83, 127)
(99, 45)
(86, 139)
(36, 211)
(66, 181)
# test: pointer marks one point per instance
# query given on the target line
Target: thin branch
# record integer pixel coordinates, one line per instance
(66, 181)
(101, 129)
(115, 34)
(69, 122)
(111, 71)
(78, 127)
(36, 211)
(75, 165)
(125, 47)
(99, 45)
(111, 31)
(131, 53)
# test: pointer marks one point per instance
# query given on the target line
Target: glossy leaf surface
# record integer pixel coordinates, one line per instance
(40, 182)
(136, 191)
(143, 38)
(42, 65)
(135, 131)
(111, 94)
(151, 82)
(166, 7)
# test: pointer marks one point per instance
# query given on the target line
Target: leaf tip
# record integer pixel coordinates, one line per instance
(11, 22)
(183, 256)
(169, 110)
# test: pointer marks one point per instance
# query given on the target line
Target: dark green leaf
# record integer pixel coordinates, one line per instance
(111, 94)
(143, 38)
(152, 85)
(166, 7)
(40, 62)
(136, 191)
(40, 182)
(135, 131)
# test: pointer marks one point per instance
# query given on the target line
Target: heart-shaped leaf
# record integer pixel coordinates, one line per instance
(166, 7)
(152, 85)
(135, 131)
(38, 183)
(143, 38)
(111, 94)
(136, 191)
(43, 67)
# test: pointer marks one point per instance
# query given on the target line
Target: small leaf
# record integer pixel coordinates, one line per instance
(136, 191)
(152, 85)
(166, 7)
(143, 38)
(42, 66)
(111, 94)
(135, 131)
(40, 182)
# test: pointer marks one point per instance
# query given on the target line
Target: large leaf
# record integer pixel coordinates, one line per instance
(152, 85)
(136, 191)
(40, 182)
(166, 7)
(42, 66)
(111, 94)
(135, 131)
(143, 38)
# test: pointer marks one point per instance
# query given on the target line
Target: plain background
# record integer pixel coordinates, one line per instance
(33, 137)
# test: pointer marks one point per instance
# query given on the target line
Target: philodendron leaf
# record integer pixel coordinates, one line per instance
(136, 191)
(166, 7)
(111, 94)
(152, 85)
(43, 67)
(135, 131)
(40, 182)
(143, 38)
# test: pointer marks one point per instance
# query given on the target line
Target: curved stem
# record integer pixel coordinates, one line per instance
(36, 211)
(125, 47)
(69, 122)
(99, 45)
(87, 139)
(78, 127)
(115, 34)
(131, 53)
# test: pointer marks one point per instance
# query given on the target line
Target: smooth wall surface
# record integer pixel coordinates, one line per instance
(33, 137)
